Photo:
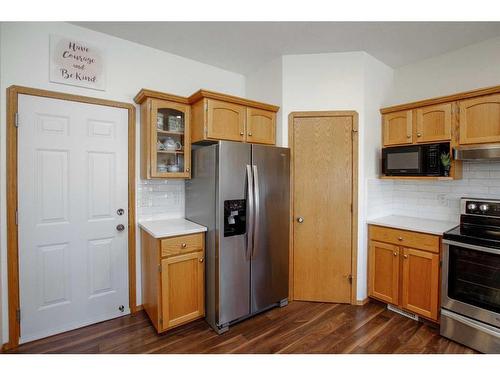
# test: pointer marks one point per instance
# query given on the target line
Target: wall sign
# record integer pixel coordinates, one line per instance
(77, 63)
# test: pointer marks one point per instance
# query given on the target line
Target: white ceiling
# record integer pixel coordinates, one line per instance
(244, 46)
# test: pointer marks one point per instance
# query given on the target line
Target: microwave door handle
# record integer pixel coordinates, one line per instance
(256, 209)
(250, 205)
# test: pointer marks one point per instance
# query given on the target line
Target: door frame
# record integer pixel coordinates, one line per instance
(13, 93)
(354, 224)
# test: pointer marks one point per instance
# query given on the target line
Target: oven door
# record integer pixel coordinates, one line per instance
(403, 160)
(471, 281)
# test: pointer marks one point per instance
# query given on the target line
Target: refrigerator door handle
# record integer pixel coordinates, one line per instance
(256, 208)
(251, 219)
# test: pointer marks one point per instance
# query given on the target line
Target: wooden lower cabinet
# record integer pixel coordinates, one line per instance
(182, 279)
(384, 272)
(420, 282)
(173, 279)
(403, 276)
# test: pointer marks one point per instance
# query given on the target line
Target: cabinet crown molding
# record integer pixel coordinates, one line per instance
(201, 94)
(442, 99)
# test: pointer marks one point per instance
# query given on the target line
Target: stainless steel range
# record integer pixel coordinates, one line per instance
(470, 297)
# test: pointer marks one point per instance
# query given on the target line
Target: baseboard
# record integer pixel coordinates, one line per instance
(361, 302)
(7, 346)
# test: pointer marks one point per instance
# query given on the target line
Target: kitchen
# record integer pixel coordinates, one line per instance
(218, 155)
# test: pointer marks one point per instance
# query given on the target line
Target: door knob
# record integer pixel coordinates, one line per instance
(120, 211)
(120, 227)
(300, 219)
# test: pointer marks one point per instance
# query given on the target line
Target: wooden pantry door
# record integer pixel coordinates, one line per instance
(324, 184)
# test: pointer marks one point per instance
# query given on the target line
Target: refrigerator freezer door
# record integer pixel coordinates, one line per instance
(269, 264)
(234, 266)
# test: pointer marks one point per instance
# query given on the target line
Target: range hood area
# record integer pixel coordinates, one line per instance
(489, 151)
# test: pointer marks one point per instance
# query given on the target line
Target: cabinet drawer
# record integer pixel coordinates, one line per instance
(415, 240)
(182, 244)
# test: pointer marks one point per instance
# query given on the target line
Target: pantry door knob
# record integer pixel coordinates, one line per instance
(300, 219)
(120, 227)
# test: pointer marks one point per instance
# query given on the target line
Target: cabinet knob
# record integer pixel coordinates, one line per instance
(187, 169)
(405, 256)
(250, 134)
(183, 245)
(201, 260)
(300, 219)
(241, 133)
(400, 238)
(419, 134)
(395, 254)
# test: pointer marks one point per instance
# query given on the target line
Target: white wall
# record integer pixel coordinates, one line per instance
(468, 68)
(342, 81)
(266, 85)
(24, 61)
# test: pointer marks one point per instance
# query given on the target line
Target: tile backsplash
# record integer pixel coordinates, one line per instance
(438, 200)
(160, 199)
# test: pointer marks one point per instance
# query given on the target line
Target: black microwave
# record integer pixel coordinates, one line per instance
(415, 160)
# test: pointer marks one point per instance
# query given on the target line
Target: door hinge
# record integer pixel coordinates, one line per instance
(351, 208)
(159, 268)
(17, 218)
(349, 277)
(16, 120)
(18, 316)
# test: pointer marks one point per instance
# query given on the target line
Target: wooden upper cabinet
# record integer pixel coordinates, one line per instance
(183, 283)
(420, 282)
(165, 135)
(224, 117)
(384, 272)
(261, 126)
(225, 121)
(397, 128)
(480, 120)
(433, 123)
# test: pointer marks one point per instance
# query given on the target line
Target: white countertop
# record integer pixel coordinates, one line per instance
(416, 224)
(170, 227)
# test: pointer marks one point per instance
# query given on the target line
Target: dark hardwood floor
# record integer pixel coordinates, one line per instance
(300, 327)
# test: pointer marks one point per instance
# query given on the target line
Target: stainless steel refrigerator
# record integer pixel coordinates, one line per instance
(240, 192)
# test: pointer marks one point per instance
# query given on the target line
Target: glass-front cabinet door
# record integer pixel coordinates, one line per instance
(170, 141)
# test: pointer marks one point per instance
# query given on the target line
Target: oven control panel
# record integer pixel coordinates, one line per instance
(480, 207)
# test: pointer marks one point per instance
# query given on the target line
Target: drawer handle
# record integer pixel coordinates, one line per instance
(201, 260)
(400, 238)
(183, 245)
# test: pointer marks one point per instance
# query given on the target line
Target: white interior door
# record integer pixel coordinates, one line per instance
(72, 179)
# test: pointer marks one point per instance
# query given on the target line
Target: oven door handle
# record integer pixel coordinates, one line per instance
(472, 247)
(488, 329)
